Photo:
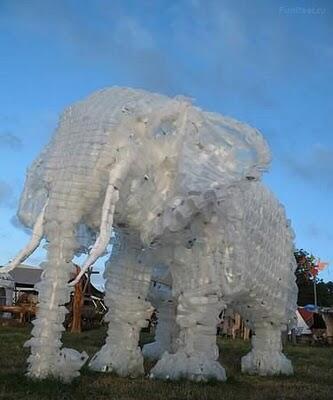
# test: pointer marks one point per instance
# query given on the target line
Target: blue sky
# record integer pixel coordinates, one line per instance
(268, 63)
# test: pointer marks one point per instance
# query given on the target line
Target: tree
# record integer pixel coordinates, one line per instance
(306, 277)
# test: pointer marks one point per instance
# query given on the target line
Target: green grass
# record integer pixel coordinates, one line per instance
(313, 377)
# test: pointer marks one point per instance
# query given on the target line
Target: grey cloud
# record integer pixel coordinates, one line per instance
(226, 35)
(214, 38)
(130, 32)
(211, 46)
(314, 167)
(119, 40)
(18, 225)
(9, 140)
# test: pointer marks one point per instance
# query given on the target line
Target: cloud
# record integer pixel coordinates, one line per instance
(18, 225)
(6, 194)
(119, 41)
(213, 46)
(9, 140)
(314, 167)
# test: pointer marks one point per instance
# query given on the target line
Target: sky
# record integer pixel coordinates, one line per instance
(268, 63)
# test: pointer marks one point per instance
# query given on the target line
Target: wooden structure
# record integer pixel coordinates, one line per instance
(24, 308)
(86, 308)
(17, 295)
(233, 326)
(75, 325)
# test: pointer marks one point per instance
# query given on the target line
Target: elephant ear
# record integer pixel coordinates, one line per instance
(35, 194)
(220, 152)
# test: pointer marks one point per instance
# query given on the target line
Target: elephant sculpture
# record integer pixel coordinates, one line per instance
(178, 186)
(166, 329)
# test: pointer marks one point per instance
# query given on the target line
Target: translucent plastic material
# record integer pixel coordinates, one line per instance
(166, 331)
(243, 259)
(181, 187)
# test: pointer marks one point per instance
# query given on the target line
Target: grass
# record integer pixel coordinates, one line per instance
(313, 377)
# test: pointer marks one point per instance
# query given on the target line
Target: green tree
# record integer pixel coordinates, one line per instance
(306, 275)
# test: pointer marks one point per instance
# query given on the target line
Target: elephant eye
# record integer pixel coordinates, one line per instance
(165, 128)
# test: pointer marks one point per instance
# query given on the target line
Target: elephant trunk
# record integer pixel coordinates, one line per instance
(117, 176)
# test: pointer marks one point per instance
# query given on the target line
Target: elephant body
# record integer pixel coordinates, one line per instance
(179, 186)
(240, 263)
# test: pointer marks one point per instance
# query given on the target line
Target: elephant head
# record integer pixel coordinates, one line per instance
(190, 157)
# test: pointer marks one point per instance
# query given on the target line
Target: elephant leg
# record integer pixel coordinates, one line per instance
(166, 329)
(127, 285)
(198, 309)
(266, 357)
(47, 358)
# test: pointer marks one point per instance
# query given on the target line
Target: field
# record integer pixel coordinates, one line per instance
(313, 379)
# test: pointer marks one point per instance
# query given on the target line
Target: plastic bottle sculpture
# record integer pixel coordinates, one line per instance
(166, 331)
(179, 186)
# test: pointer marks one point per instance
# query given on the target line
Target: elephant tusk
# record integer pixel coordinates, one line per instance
(36, 237)
(102, 241)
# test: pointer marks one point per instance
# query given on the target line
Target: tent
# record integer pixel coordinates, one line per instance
(7, 286)
(26, 277)
(302, 327)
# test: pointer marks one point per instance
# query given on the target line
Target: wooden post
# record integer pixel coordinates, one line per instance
(77, 303)
(315, 291)
(328, 318)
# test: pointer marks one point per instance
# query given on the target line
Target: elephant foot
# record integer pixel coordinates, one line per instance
(64, 366)
(153, 351)
(266, 363)
(121, 361)
(196, 368)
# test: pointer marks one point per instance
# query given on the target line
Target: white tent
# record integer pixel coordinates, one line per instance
(7, 286)
(301, 328)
